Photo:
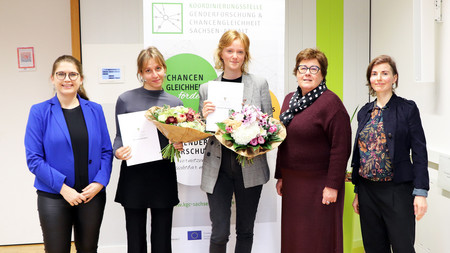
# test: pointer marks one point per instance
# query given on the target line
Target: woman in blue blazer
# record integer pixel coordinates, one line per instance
(68, 149)
(390, 164)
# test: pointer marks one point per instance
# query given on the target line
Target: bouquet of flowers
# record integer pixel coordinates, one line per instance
(250, 133)
(178, 124)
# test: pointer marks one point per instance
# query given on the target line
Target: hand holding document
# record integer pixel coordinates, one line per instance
(141, 135)
(225, 96)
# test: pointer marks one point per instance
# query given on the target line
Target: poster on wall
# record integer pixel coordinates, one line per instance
(187, 34)
(25, 58)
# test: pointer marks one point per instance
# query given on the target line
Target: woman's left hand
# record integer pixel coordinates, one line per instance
(329, 195)
(420, 206)
(279, 187)
(91, 190)
(178, 146)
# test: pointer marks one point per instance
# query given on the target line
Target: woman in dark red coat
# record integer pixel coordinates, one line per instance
(312, 161)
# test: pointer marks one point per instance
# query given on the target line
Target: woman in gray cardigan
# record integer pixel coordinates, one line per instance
(222, 175)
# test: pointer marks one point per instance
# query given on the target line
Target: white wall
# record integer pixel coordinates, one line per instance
(300, 34)
(356, 56)
(44, 25)
(437, 104)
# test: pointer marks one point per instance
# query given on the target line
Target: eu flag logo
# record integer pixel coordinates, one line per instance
(194, 235)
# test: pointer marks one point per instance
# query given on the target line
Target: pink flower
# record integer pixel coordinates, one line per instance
(189, 117)
(229, 129)
(254, 141)
(272, 129)
(261, 140)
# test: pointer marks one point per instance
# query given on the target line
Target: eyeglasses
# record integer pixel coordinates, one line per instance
(72, 75)
(313, 69)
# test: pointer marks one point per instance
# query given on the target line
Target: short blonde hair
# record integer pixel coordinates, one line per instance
(226, 40)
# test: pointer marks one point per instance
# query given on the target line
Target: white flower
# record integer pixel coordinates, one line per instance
(263, 132)
(162, 118)
(181, 109)
(192, 124)
(244, 134)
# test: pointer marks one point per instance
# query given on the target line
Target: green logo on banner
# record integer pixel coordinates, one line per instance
(167, 18)
(185, 74)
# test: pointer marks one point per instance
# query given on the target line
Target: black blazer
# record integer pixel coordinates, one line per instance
(404, 136)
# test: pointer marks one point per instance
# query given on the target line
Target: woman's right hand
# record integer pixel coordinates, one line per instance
(208, 107)
(72, 196)
(123, 153)
(279, 187)
(355, 204)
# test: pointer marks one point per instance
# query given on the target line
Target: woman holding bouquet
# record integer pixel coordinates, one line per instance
(150, 185)
(68, 149)
(222, 174)
(312, 160)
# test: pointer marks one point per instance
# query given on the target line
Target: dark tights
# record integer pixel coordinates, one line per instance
(161, 230)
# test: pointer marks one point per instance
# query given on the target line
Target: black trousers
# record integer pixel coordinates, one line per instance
(161, 229)
(57, 217)
(230, 181)
(387, 216)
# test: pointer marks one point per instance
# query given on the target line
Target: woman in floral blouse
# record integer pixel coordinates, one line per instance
(390, 164)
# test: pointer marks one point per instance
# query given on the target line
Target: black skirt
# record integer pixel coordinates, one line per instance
(148, 185)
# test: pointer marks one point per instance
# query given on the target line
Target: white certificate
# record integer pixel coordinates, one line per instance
(225, 96)
(141, 135)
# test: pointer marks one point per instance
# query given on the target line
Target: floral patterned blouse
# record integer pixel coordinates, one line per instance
(374, 156)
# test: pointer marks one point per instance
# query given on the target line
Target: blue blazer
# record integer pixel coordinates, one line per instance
(49, 148)
(404, 137)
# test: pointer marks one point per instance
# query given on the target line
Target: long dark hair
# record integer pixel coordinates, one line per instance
(69, 58)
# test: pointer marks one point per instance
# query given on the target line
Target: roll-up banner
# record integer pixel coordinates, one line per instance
(187, 34)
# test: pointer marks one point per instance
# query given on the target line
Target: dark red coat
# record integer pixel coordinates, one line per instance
(314, 155)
